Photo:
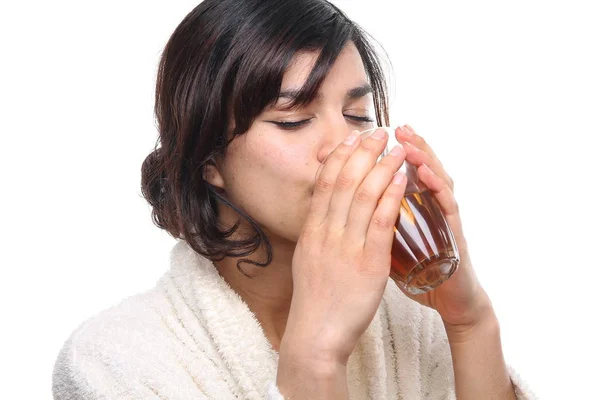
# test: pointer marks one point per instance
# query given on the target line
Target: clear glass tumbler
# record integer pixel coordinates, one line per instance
(424, 253)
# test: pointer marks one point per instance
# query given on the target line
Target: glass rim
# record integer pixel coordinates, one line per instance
(391, 138)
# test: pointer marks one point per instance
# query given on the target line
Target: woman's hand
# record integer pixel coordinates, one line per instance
(342, 259)
(471, 326)
(461, 301)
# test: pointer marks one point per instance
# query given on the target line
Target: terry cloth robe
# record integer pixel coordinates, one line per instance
(192, 337)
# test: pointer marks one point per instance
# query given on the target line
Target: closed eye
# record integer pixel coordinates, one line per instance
(289, 125)
(360, 119)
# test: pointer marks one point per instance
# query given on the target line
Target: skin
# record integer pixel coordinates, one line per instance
(330, 216)
(274, 166)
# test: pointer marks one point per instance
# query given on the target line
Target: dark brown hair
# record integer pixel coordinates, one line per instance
(225, 63)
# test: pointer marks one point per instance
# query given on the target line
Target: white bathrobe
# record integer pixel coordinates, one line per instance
(192, 337)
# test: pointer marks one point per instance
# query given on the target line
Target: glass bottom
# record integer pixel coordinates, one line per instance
(428, 275)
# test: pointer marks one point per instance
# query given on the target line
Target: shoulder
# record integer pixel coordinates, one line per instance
(127, 351)
(97, 361)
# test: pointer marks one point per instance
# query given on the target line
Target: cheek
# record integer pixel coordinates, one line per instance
(277, 174)
(293, 163)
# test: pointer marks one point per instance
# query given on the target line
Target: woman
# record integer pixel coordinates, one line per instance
(279, 281)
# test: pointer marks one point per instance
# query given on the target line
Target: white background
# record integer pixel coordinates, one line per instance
(507, 93)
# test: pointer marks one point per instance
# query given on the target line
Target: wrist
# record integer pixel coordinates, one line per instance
(301, 375)
(315, 368)
(485, 325)
(314, 343)
(478, 362)
(313, 353)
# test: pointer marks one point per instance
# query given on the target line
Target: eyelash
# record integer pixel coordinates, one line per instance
(298, 124)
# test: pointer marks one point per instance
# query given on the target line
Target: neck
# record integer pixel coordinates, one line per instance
(266, 290)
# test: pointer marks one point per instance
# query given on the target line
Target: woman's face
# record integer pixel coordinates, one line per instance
(270, 170)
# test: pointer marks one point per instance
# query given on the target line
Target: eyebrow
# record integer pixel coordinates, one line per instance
(352, 94)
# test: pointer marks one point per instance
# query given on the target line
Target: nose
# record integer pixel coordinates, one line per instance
(333, 133)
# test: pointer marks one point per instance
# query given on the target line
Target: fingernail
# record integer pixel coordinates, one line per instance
(351, 138)
(408, 130)
(379, 134)
(399, 178)
(397, 150)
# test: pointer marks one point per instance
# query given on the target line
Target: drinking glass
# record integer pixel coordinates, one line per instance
(424, 252)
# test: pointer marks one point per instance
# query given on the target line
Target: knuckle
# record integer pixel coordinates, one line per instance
(345, 181)
(323, 184)
(331, 235)
(364, 195)
(382, 223)
(368, 147)
(310, 236)
(392, 192)
(309, 231)
(339, 155)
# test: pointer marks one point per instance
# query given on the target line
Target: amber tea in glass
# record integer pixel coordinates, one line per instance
(424, 251)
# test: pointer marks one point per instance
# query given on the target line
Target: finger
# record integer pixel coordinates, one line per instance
(380, 234)
(440, 189)
(358, 166)
(446, 200)
(407, 134)
(327, 177)
(369, 192)
(417, 157)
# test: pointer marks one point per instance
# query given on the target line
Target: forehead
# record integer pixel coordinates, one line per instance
(348, 70)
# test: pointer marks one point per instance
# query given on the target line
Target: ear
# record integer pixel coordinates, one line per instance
(213, 176)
